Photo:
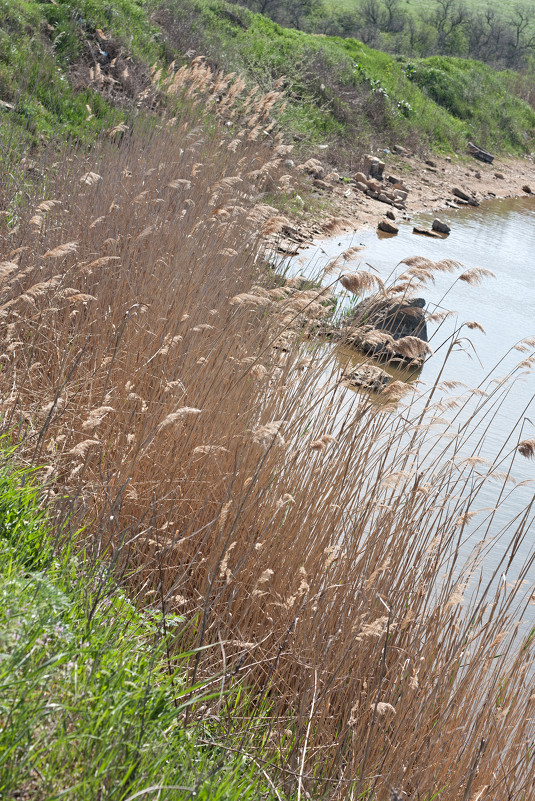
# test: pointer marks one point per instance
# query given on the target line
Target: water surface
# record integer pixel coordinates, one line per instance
(498, 236)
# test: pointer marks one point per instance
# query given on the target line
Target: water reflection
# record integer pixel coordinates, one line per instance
(498, 236)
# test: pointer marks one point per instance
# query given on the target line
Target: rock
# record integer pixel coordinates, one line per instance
(388, 227)
(500, 176)
(360, 177)
(374, 166)
(390, 214)
(363, 187)
(378, 323)
(466, 198)
(430, 163)
(401, 194)
(314, 168)
(441, 227)
(461, 194)
(372, 194)
(366, 376)
(289, 164)
(425, 232)
(396, 181)
(374, 185)
(526, 189)
(319, 184)
(400, 150)
(384, 198)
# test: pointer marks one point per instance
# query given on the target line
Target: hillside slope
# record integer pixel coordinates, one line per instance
(76, 67)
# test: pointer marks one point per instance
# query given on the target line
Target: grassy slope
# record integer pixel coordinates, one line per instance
(87, 707)
(338, 89)
(443, 101)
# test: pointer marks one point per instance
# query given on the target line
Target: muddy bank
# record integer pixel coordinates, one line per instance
(333, 203)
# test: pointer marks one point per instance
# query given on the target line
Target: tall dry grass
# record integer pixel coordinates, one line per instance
(310, 534)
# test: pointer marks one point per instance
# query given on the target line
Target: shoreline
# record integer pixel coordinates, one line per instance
(430, 185)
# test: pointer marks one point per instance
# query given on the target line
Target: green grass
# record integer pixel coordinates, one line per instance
(339, 91)
(34, 80)
(88, 707)
(440, 101)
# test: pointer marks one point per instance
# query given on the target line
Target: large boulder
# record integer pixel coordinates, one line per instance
(395, 330)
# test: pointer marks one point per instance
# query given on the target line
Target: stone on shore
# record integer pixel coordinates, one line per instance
(461, 194)
(314, 168)
(388, 227)
(374, 167)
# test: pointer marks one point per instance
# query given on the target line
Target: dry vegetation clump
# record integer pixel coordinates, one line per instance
(310, 534)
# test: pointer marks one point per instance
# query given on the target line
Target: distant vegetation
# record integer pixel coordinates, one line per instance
(501, 35)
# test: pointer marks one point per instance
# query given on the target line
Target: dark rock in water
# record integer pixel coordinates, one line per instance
(367, 376)
(441, 227)
(377, 325)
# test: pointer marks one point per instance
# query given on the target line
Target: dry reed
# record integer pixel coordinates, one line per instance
(313, 531)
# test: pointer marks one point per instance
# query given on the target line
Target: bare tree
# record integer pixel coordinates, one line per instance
(523, 28)
(449, 18)
(372, 13)
(395, 17)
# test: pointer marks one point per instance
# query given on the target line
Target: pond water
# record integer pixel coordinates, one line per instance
(498, 236)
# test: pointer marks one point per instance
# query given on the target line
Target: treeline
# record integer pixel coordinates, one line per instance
(500, 37)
